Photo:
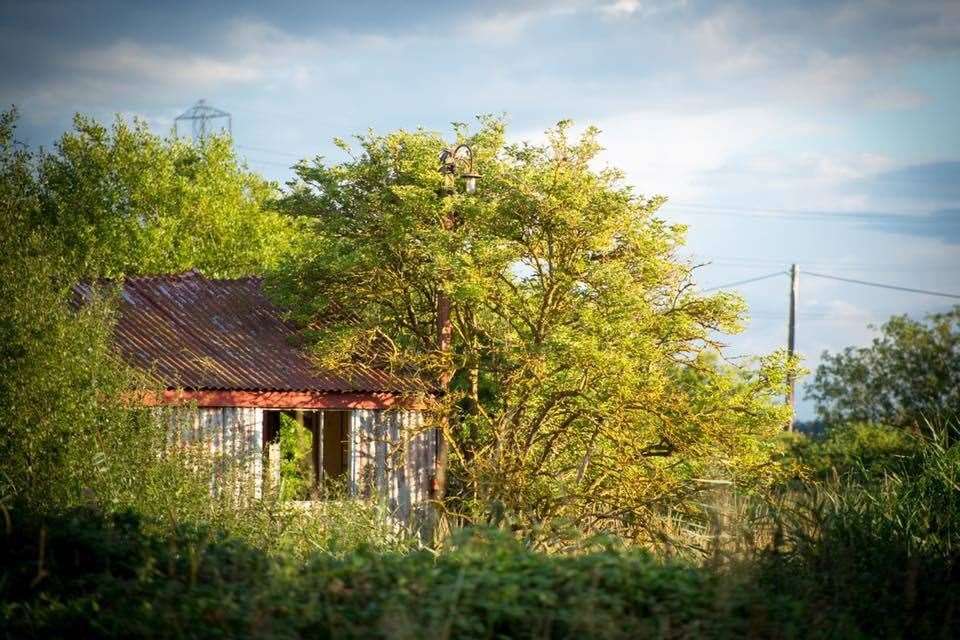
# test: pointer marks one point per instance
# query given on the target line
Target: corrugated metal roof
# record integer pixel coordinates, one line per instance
(190, 332)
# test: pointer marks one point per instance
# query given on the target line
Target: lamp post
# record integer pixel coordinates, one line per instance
(450, 170)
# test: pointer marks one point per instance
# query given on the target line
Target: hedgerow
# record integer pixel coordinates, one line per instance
(84, 573)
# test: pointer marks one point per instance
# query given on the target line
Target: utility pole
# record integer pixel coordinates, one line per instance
(449, 170)
(792, 339)
(444, 342)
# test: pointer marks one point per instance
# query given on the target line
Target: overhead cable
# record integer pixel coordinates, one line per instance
(884, 286)
(748, 281)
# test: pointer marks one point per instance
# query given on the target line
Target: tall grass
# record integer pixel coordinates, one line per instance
(870, 553)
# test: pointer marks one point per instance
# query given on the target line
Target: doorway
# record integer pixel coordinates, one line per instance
(305, 451)
(336, 445)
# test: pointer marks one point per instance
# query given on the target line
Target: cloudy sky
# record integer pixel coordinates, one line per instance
(822, 133)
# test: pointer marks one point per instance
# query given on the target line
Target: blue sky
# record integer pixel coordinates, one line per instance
(823, 133)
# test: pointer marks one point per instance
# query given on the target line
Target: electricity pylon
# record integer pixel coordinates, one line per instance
(203, 118)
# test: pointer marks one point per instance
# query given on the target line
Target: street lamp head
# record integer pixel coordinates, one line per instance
(448, 166)
(471, 180)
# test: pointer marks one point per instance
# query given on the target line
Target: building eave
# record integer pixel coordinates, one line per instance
(303, 400)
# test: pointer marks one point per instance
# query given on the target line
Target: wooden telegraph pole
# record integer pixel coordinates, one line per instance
(444, 341)
(792, 339)
(448, 169)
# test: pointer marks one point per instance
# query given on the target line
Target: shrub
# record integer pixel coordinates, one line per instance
(876, 549)
(861, 449)
(296, 470)
(85, 574)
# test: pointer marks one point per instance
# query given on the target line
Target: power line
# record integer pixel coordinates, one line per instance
(273, 151)
(823, 312)
(884, 286)
(886, 268)
(748, 281)
(272, 163)
(806, 213)
(924, 221)
(746, 262)
(830, 277)
(742, 209)
(773, 315)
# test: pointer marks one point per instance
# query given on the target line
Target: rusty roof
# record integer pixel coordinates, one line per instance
(190, 332)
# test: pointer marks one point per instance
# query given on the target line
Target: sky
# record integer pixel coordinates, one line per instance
(819, 133)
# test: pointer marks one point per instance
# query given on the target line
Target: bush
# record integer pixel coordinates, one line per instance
(296, 469)
(860, 449)
(875, 550)
(83, 574)
(86, 574)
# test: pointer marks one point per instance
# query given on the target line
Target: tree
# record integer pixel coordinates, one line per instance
(582, 386)
(909, 375)
(66, 434)
(123, 201)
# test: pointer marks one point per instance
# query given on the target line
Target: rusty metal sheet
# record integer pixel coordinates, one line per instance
(191, 332)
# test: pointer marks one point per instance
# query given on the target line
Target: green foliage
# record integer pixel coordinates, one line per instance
(587, 395)
(908, 376)
(858, 563)
(122, 200)
(73, 432)
(296, 469)
(883, 548)
(913, 503)
(107, 577)
(64, 425)
(861, 449)
(581, 386)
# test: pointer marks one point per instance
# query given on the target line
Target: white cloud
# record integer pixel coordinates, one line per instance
(511, 24)
(164, 65)
(735, 155)
(847, 54)
(621, 7)
(626, 8)
(669, 151)
(252, 55)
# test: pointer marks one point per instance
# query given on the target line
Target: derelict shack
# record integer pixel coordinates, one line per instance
(223, 354)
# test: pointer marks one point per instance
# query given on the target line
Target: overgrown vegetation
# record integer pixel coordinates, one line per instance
(121, 200)
(627, 482)
(71, 435)
(908, 376)
(582, 383)
(873, 558)
(296, 471)
(60, 389)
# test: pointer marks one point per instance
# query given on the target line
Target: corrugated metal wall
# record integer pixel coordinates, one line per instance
(235, 433)
(393, 458)
(392, 455)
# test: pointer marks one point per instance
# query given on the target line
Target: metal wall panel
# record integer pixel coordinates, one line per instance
(392, 455)
(228, 434)
(392, 458)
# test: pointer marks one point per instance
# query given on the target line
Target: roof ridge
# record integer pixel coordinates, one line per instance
(189, 274)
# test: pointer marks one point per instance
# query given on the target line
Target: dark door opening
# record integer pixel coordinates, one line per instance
(335, 444)
(303, 449)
